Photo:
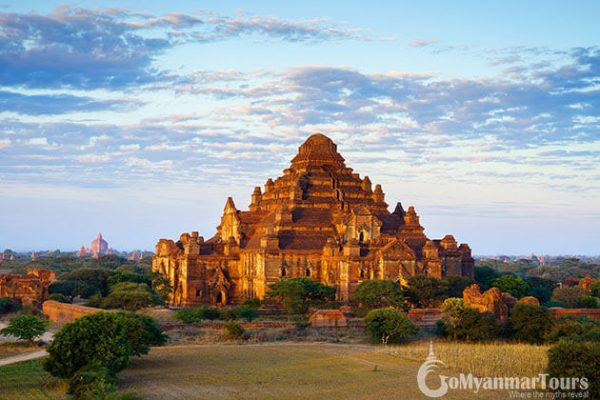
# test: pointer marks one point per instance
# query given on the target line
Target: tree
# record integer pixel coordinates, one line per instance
(389, 325)
(371, 294)
(595, 289)
(130, 296)
(576, 359)
(456, 284)
(424, 291)
(297, 294)
(588, 302)
(452, 310)
(531, 323)
(142, 332)
(96, 278)
(118, 277)
(574, 328)
(469, 325)
(512, 284)
(541, 288)
(8, 305)
(569, 296)
(25, 327)
(162, 285)
(96, 338)
(485, 276)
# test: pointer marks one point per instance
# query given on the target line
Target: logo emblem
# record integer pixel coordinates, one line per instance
(431, 364)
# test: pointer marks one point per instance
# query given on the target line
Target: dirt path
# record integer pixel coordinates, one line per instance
(23, 357)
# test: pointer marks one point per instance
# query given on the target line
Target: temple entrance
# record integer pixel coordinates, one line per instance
(221, 298)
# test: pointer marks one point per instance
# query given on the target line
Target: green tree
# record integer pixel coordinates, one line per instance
(96, 278)
(569, 296)
(574, 328)
(389, 325)
(531, 323)
(8, 305)
(469, 325)
(541, 288)
(235, 330)
(570, 359)
(512, 284)
(456, 284)
(118, 277)
(162, 285)
(297, 294)
(425, 291)
(452, 311)
(595, 289)
(371, 294)
(485, 276)
(142, 332)
(25, 327)
(588, 302)
(99, 338)
(130, 296)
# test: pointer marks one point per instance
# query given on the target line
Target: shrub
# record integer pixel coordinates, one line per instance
(574, 328)
(99, 338)
(297, 294)
(197, 314)
(142, 332)
(512, 284)
(8, 305)
(239, 312)
(371, 294)
(570, 296)
(595, 289)
(454, 285)
(25, 327)
(389, 325)
(92, 382)
(470, 325)
(588, 302)
(95, 300)
(118, 277)
(424, 291)
(254, 302)
(530, 322)
(161, 285)
(568, 358)
(541, 288)
(485, 276)
(130, 296)
(235, 330)
(61, 298)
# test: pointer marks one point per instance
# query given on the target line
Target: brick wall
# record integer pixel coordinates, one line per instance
(61, 312)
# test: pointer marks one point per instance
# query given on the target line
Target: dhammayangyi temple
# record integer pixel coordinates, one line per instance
(319, 219)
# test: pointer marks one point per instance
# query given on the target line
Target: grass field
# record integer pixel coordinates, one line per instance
(286, 371)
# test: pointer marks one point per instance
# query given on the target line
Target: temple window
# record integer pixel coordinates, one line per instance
(283, 272)
(307, 272)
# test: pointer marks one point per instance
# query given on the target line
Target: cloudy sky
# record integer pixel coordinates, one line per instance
(138, 119)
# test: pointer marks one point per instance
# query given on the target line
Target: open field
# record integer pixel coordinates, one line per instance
(276, 371)
(288, 370)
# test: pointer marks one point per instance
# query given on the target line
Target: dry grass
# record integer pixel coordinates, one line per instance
(9, 349)
(28, 381)
(480, 359)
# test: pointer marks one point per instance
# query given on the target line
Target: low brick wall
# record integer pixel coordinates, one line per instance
(221, 325)
(425, 317)
(61, 312)
(556, 313)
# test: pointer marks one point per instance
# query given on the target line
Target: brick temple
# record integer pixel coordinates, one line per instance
(319, 219)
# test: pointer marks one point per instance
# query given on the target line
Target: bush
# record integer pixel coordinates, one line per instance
(61, 298)
(570, 296)
(574, 328)
(99, 338)
(424, 291)
(531, 323)
(469, 325)
(576, 359)
(541, 288)
(297, 294)
(389, 325)
(588, 302)
(119, 277)
(235, 330)
(485, 276)
(512, 284)
(239, 312)
(254, 302)
(371, 294)
(92, 382)
(130, 296)
(197, 314)
(142, 332)
(25, 327)
(595, 289)
(8, 305)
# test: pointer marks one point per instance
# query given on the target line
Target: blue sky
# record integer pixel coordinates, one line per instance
(139, 118)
